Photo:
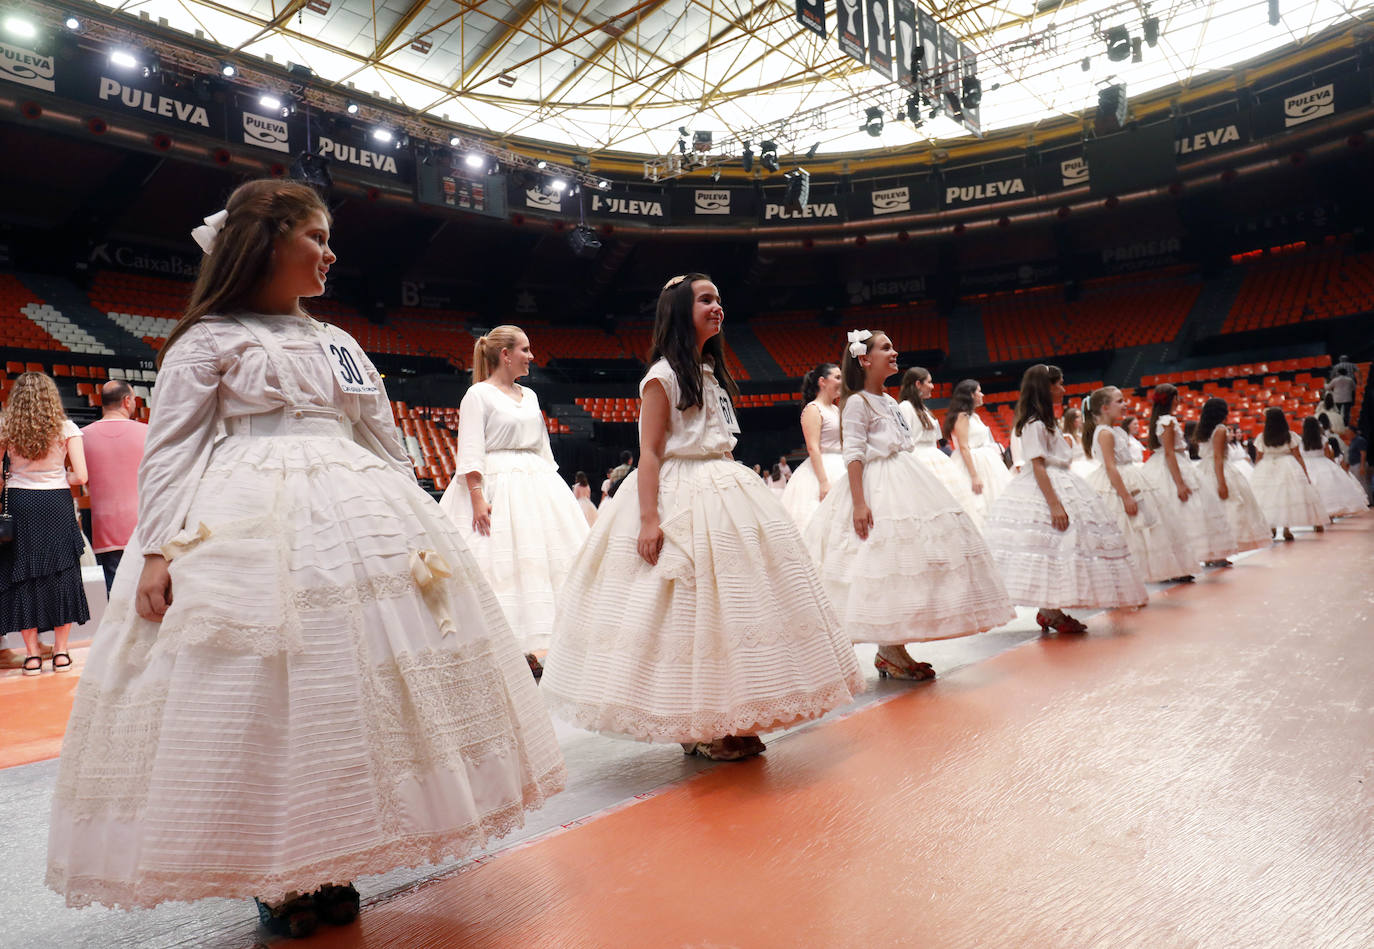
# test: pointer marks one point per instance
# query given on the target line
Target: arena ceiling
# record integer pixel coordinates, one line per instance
(625, 75)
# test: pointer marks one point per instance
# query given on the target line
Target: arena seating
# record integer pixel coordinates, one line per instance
(431, 437)
(797, 341)
(1109, 313)
(17, 327)
(142, 306)
(1302, 284)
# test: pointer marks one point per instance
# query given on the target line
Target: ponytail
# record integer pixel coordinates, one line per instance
(486, 352)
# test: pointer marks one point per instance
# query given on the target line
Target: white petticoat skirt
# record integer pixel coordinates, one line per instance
(950, 473)
(1284, 494)
(729, 633)
(1340, 494)
(1243, 512)
(924, 572)
(537, 529)
(1203, 522)
(801, 496)
(1157, 543)
(333, 692)
(994, 475)
(1089, 565)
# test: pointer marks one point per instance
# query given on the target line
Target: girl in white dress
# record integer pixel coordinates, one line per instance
(1281, 483)
(925, 434)
(517, 516)
(582, 491)
(901, 559)
(1223, 478)
(1082, 464)
(693, 613)
(1237, 455)
(820, 424)
(980, 456)
(1204, 523)
(1156, 543)
(1055, 544)
(1340, 495)
(1128, 428)
(301, 676)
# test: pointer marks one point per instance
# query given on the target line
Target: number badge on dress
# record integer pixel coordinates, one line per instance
(347, 368)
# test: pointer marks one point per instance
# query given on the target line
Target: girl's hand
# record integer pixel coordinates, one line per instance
(1222, 492)
(481, 514)
(1183, 493)
(1059, 517)
(650, 543)
(1128, 502)
(977, 486)
(863, 520)
(825, 489)
(154, 589)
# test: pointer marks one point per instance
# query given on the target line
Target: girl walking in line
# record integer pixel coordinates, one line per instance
(820, 424)
(1281, 482)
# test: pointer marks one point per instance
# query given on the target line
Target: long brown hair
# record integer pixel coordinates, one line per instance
(33, 416)
(259, 212)
(911, 392)
(486, 352)
(1161, 404)
(960, 403)
(1035, 403)
(675, 339)
(851, 370)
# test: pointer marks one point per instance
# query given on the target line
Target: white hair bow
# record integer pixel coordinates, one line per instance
(857, 340)
(206, 233)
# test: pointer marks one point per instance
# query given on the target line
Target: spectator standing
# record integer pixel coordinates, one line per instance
(1342, 388)
(114, 448)
(40, 570)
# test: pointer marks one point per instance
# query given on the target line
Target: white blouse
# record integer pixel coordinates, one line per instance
(874, 428)
(219, 375)
(830, 428)
(1039, 442)
(1277, 451)
(1121, 445)
(1180, 443)
(489, 420)
(702, 431)
(47, 472)
(921, 436)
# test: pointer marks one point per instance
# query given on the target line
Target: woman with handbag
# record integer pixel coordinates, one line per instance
(40, 568)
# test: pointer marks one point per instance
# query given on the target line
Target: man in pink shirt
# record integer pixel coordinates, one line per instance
(114, 448)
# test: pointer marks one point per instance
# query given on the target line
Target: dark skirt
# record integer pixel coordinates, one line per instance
(40, 570)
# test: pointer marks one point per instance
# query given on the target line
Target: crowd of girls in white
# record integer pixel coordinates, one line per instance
(309, 670)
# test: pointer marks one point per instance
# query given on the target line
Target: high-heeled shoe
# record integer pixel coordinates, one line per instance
(729, 748)
(1287, 534)
(294, 918)
(337, 905)
(1063, 623)
(911, 670)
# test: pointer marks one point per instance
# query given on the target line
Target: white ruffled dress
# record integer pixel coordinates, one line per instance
(1283, 490)
(1089, 565)
(1156, 542)
(924, 572)
(537, 527)
(1340, 494)
(730, 633)
(987, 461)
(1243, 512)
(802, 495)
(1082, 465)
(1201, 518)
(926, 450)
(333, 691)
(1238, 456)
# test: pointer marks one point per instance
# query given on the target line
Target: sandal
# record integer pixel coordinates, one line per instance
(902, 667)
(536, 668)
(33, 670)
(729, 748)
(66, 666)
(294, 918)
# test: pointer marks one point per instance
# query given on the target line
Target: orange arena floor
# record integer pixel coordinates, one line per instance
(1195, 774)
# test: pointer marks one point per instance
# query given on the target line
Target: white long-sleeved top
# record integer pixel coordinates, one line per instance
(874, 428)
(218, 373)
(489, 420)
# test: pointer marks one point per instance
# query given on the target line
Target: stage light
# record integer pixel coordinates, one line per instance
(715, 173)
(747, 157)
(313, 170)
(1086, 64)
(123, 60)
(1150, 27)
(269, 101)
(811, 152)
(18, 26)
(558, 184)
(873, 121)
(973, 92)
(454, 141)
(351, 108)
(798, 191)
(541, 164)
(1137, 56)
(474, 160)
(382, 135)
(72, 23)
(768, 155)
(1118, 43)
(584, 242)
(913, 109)
(228, 70)
(604, 185)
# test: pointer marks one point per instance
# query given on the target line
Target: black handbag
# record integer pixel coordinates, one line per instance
(6, 519)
